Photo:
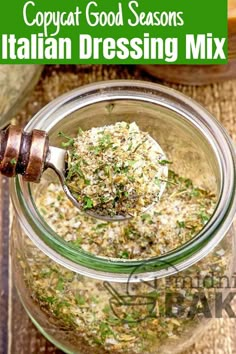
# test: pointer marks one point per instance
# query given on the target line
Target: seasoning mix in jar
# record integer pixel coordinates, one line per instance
(129, 286)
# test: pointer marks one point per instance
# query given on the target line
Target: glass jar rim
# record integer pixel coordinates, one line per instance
(117, 269)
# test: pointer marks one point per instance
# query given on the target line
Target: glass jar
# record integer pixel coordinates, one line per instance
(85, 303)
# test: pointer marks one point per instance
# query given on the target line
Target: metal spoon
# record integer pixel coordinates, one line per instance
(29, 155)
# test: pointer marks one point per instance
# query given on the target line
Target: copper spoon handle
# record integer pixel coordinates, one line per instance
(23, 153)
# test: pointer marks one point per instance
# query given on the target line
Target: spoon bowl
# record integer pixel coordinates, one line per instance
(29, 154)
(57, 160)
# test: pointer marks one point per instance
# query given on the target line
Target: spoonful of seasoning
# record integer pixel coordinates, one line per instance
(112, 173)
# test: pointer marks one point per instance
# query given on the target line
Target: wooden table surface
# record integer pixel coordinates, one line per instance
(17, 333)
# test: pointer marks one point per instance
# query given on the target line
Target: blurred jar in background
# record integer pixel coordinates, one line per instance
(202, 74)
(16, 83)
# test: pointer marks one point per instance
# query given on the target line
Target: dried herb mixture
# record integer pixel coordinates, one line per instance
(115, 169)
(82, 307)
(88, 319)
(181, 213)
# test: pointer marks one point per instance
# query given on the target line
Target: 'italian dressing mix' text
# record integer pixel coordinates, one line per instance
(45, 44)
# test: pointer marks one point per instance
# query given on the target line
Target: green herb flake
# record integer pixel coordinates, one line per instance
(70, 141)
(80, 131)
(165, 162)
(105, 331)
(80, 300)
(181, 224)
(102, 226)
(88, 203)
(60, 285)
(145, 217)
(124, 254)
(204, 217)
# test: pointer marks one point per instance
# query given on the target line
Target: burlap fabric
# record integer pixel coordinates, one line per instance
(219, 99)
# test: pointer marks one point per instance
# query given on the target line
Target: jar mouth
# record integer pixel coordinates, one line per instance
(117, 269)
